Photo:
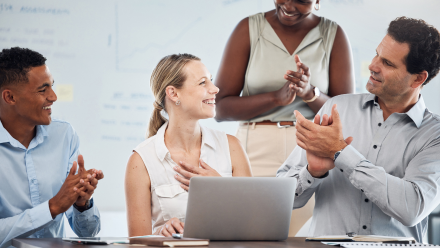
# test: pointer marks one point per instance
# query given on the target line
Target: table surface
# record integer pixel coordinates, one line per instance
(59, 243)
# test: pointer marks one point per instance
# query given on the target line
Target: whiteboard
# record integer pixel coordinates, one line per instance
(101, 54)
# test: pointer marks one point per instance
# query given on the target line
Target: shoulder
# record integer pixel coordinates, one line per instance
(345, 102)
(146, 144)
(350, 98)
(431, 121)
(233, 141)
(60, 127)
(134, 161)
(136, 169)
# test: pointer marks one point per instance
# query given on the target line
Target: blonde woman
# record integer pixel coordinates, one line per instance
(158, 171)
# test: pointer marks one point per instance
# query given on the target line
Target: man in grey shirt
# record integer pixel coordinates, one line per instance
(383, 179)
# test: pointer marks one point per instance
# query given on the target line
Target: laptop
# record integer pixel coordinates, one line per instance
(239, 208)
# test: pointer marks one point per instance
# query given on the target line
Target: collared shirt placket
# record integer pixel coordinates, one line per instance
(382, 130)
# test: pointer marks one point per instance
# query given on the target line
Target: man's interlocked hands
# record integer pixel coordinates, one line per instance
(321, 141)
(77, 188)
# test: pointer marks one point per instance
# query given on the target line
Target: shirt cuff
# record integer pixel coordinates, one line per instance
(306, 180)
(40, 215)
(84, 215)
(348, 159)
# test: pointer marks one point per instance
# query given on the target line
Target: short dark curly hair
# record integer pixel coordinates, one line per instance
(16, 62)
(424, 44)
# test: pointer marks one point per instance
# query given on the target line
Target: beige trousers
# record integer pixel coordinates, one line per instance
(268, 147)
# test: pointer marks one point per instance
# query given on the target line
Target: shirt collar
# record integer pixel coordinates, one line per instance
(6, 137)
(416, 113)
(367, 99)
(162, 150)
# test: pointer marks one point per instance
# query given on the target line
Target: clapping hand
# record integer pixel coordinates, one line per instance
(301, 80)
(89, 182)
(187, 171)
(320, 140)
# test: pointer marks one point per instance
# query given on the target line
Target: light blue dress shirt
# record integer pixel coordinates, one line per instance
(386, 182)
(30, 177)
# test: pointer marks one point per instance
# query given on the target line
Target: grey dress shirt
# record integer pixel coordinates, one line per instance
(385, 183)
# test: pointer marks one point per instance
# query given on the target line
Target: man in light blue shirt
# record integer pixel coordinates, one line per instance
(38, 157)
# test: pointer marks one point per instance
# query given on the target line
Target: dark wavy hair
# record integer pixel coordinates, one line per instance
(424, 45)
(16, 62)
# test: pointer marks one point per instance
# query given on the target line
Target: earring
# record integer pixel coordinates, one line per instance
(178, 102)
(319, 6)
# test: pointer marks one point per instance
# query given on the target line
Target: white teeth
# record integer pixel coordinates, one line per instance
(209, 101)
(47, 107)
(285, 12)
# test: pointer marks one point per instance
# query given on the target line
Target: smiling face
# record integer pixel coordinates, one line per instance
(197, 96)
(389, 77)
(33, 100)
(292, 12)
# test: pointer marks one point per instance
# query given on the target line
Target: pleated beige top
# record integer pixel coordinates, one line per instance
(269, 61)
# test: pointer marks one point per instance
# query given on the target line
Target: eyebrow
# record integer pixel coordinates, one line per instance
(205, 77)
(45, 85)
(387, 60)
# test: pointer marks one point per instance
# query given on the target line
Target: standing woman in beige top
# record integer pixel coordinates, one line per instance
(256, 87)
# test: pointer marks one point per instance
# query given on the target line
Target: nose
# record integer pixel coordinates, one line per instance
(213, 89)
(288, 5)
(374, 66)
(52, 95)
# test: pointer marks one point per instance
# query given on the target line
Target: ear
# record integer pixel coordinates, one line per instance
(420, 79)
(8, 97)
(171, 93)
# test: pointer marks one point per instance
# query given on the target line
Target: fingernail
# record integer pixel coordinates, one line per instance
(81, 181)
(175, 176)
(88, 176)
(175, 168)
(75, 189)
(181, 230)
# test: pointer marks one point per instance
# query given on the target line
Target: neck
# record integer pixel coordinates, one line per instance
(401, 105)
(20, 130)
(184, 134)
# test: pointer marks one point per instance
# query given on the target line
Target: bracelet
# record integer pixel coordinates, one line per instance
(317, 94)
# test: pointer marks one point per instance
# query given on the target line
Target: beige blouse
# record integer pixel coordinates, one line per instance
(269, 61)
(168, 199)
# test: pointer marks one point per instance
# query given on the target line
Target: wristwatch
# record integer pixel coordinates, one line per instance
(83, 208)
(317, 94)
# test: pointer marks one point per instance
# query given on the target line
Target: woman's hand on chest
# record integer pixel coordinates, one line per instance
(188, 171)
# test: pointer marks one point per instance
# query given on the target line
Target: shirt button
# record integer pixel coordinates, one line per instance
(364, 227)
(380, 124)
(342, 170)
(362, 190)
(296, 194)
(375, 146)
(309, 181)
(366, 200)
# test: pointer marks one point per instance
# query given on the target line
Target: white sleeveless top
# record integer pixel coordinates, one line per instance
(168, 199)
(269, 60)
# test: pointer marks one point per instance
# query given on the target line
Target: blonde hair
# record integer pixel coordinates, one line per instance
(168, 72)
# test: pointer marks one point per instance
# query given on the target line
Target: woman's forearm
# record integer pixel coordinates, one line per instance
(239, 108)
